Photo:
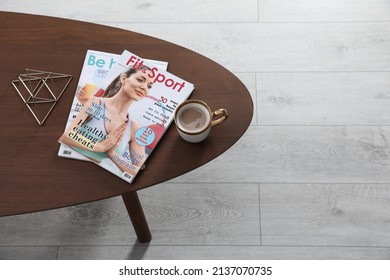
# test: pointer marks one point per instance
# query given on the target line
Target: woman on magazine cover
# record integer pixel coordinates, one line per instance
(106, 120)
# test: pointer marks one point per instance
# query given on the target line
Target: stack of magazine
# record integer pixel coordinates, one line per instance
(122, 107)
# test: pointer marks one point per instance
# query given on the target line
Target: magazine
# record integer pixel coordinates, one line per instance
(127, 114)
(95, 68)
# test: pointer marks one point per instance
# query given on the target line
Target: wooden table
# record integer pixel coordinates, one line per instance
(34, 178)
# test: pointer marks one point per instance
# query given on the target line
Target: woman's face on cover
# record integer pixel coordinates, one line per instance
(138, 84)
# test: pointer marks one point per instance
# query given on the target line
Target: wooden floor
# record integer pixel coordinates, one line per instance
(311, 177)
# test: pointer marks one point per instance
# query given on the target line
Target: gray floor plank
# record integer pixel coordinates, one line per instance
(319, 10)
(141, 11)
(312, 154)
(207, 214)
(223, 253)
(325, 215)
(103, 222)
(28, 253)
(327, 98)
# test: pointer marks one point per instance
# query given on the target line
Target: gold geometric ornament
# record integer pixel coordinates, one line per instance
(40, 91)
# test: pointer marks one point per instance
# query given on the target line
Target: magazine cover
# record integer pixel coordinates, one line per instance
(95, 68)
(121, 123)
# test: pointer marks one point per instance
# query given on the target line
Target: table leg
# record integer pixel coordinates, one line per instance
(137, 216)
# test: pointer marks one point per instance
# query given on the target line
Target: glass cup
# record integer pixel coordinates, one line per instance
(89, 89)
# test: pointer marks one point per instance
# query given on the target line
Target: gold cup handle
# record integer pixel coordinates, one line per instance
(219, 116)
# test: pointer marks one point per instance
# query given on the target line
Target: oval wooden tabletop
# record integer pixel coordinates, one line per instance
(33, 177)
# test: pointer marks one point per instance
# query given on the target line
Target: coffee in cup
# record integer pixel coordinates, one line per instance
(194, 120)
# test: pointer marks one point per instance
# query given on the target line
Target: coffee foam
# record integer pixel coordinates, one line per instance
(193, 117)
